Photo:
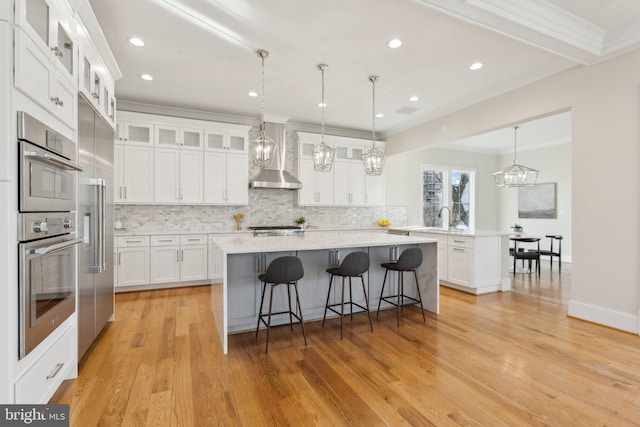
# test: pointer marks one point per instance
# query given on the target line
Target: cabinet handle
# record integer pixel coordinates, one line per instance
(165, 240)
(56, 51)
(257, 264)
(177, 194)
(459, 250)
(55, 371)
(264, 263)
(337, 258)
(459, 241)
(330, 257)
(193, 240)
(119, 258)
(134, 241)
(121, 189)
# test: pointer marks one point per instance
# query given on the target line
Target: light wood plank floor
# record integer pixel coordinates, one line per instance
(509, 359)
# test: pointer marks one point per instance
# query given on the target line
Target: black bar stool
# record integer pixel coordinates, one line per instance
(286, 270)
(409, 260)
(354, 265)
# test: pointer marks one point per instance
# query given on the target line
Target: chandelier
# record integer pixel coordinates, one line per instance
(322, 153)
(515, 175)
(262, 147)
(373, 159)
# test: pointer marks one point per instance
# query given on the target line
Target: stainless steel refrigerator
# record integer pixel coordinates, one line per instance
(95, 225)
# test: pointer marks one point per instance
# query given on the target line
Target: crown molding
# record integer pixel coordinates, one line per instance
(85, 14)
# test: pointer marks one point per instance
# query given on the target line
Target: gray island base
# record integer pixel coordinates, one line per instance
(236, 299)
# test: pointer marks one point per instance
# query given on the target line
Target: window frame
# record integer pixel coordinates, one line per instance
(447, 192)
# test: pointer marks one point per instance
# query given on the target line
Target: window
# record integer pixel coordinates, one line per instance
(448, 196)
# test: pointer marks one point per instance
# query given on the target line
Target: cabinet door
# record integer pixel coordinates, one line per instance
(133, 266)
(191, 139)
(138, 174)
(215, 173)
(191, 176)
(237, 179)
(138, 134)
(166, 182)
(374, 190)
(356, 183)
(167, 136)
(308, 195)
(460, 266)
(341, 188)
(237, 142)
(65, 97)
(164, 265)
(324, 187)
(193, 265)
(118, 173)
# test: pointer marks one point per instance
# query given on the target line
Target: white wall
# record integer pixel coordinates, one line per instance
(554, 165)
(605, 104)
(403, 182)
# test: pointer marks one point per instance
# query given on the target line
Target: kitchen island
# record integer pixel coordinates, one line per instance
(236, 299)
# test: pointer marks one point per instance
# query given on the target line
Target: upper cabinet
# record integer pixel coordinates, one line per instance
(168, 136)
(95, 83)
(346, 184)
(226, 166)
(46, 57)
(134, 133)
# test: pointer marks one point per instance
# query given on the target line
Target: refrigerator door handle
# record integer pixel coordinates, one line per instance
(100, 185)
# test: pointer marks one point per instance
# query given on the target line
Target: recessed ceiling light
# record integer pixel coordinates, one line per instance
(322, 104)
(146, 76)
(476, 66)
(136, 41)
(395, 43)
(379, 115)
(252, 94)
(413, 98)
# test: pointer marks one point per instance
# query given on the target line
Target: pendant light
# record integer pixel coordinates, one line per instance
(322, 153)
(515, 175)
(261, 148)
(374, 159)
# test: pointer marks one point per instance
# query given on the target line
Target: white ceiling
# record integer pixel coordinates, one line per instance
(202, 53)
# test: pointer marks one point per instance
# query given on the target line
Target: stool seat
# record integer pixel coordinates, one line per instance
(354, 265)
(409, 261)
(286, 270)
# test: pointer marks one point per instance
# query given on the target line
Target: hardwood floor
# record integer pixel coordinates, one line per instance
(510, 359)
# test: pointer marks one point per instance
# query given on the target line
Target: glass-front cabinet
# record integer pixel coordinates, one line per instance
(95, 83)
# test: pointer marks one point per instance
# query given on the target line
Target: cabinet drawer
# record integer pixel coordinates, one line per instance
(461, 241)
(193, 239)
(133, 241)
(39, 383)
(165, 240)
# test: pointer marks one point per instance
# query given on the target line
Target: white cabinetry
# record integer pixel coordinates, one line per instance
(178, 176)
(317, 186)
(472, 263)
(46, 56)
(132, 261)
(134, 132)
(168, 136)
(94, 82)
(346, 184)
(226, 167)
(133, 173)
(178, 258)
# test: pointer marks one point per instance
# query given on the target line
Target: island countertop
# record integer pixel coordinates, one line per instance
(311, 241)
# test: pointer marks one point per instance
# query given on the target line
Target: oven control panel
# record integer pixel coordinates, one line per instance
(38, 225)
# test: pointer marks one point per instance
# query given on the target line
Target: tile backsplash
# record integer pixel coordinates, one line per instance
(266, 207)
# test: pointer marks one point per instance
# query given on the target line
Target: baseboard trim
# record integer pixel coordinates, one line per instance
(603, 316)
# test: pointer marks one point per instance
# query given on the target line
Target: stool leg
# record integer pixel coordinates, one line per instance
(350, 300)
(342, 308)
(295, 288)
(264, 287)
(326, 306)
(366, 302)
(400, 275)
(382, 291)
(290, 312)
(266, 350)
(415, 273)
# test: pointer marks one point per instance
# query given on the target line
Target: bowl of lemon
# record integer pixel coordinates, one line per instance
(384, 223)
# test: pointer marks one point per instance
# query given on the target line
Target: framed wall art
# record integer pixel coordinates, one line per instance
(537, 201)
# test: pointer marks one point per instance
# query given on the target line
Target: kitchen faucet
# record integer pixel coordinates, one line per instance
(451, 223)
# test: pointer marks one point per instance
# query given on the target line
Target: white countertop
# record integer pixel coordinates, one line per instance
(245, 231)
(312, 241)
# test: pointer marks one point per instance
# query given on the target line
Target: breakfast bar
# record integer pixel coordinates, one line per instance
(235, 300)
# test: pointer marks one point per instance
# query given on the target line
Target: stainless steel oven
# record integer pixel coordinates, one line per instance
(47, 275)
(47, 168)
(47, 243)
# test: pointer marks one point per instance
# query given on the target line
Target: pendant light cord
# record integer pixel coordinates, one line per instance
(515, 131)
(322, 68)
(373, 110)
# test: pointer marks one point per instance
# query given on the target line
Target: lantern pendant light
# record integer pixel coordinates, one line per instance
(323, 153)
(515, 175)
(261, 149)
(373, 159)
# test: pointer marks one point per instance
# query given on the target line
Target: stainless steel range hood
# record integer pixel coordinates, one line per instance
(277, 177)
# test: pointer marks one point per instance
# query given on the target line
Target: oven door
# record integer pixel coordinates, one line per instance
(47, 181)
(47, 287)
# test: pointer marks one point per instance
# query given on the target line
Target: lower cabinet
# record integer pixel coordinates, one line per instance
(132, 261)
(178, 258)
(142, 261)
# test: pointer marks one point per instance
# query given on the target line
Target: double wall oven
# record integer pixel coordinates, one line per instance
(47, 242)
